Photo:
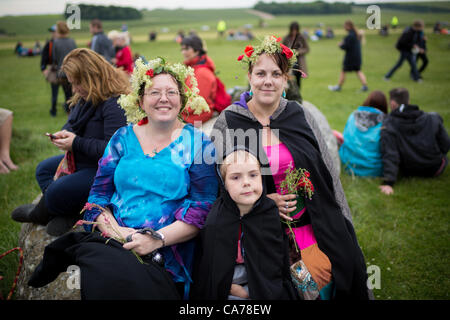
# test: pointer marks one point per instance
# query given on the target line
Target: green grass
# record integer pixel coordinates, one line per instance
(406, 234)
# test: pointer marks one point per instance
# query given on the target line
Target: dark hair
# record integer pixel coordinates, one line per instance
(183, 98)
(195, 43)
(351, 26)
(96, 23)
(399, 95)
(294, 26)
(280, 59)
(376, 99)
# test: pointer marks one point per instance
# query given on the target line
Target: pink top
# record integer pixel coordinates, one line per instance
(279, 160)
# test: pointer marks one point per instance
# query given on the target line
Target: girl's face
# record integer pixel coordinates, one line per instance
(243, 182)
(267, 81)
(161, 102)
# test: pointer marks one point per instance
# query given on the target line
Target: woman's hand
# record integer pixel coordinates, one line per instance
(143, 244)
(63, 140)
(110, 227)
(174, 233)
(286, 203)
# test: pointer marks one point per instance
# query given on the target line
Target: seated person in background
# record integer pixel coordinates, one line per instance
(413, 142)
(230, 263)
(65, 180)
(360, 152)
(6, 121)
(210, 86)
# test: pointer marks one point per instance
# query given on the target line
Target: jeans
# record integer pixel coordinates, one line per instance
(424, 58)
(67, 88)
(409, 56)
(68, 194)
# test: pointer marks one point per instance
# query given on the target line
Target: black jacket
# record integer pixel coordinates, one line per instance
(413, 142)
(94, 126)
(334, 233)
(46, 55)
(352, 47)
(264, 245)
(408, 39)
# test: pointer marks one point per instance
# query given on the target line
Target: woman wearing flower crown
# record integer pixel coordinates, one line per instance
(283, 134)
(154, 187)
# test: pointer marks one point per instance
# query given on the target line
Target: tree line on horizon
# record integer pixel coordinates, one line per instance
(89, 12)
(321, 7)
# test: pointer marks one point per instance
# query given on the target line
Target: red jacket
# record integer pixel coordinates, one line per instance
(204, 73)
(125, 59)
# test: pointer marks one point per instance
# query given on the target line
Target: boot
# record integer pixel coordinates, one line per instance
(32, 213)
(61, 224)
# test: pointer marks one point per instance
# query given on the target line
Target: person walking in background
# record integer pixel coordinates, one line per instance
(413, 142)
(297, 42)
(394, 22)
(48, 69)
(6, 121)
(100, 42)
(408, 45)
(353, 58)
(360, 152)
(221, 28)
(62, 46)
(422, 54)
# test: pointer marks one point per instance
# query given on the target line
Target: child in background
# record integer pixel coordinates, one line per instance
(243, 252)
(352, 60)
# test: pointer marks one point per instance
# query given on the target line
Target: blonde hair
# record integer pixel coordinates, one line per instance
(235, 157)
(95, 75)
(62, 28)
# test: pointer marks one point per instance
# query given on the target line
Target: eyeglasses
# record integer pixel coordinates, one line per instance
(158, 94)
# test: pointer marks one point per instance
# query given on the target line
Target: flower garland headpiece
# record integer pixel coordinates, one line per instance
(269, 45)
(143, 74)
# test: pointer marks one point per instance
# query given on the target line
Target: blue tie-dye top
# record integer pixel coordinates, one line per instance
(178, 183)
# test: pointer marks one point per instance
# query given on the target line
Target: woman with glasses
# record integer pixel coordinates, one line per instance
(154, 187)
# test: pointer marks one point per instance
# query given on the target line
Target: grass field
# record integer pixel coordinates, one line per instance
(406, 234)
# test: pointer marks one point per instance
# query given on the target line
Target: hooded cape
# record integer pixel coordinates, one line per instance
(265, 247)
(334, 232)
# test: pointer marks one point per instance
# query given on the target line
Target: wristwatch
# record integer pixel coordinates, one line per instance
(154, 234)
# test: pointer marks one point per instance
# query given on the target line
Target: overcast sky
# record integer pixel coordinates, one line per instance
(24, 7)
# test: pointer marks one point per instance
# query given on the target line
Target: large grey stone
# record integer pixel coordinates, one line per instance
(327, 133)
(32, 239)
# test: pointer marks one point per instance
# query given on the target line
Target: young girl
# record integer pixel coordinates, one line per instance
(352, 60)
(244, 251)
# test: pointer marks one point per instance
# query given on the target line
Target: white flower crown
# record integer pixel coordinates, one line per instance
(143, 74)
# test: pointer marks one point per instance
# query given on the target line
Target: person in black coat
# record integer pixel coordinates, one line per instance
(243, 250)
(412, 142)
(408, 45)
(422, 55)
(352, 59)
(65, 180)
